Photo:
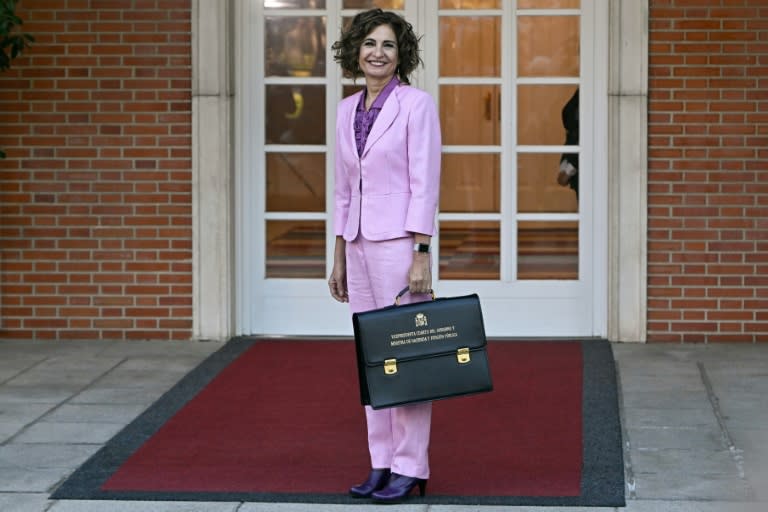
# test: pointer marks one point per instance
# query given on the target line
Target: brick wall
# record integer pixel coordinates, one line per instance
(95, 194)
(708, 171)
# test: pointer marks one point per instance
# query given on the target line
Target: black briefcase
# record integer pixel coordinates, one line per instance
(421, 352)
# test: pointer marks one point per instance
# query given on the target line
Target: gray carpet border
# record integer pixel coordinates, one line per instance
(602, 471)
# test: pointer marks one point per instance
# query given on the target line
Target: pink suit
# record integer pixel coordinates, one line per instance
(382, 198)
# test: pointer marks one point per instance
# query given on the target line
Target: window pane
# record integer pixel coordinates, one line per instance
(294, 46)
(548, 46)
(369, 4)
(548, 4)
(295, 182)
(470, 183)
(548, 250)
(294, 4)
(470, 4)
(469, 250)
(295, 249)
(540, 113)
(470, 114)
(471, 46)
(349, 90)
(538, 190)
(295, 114)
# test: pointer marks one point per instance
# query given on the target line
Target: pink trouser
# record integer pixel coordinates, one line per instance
(398, 437)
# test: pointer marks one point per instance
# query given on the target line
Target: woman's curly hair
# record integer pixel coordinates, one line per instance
(347, 49)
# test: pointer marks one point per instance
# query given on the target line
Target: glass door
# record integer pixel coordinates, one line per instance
(511, 225)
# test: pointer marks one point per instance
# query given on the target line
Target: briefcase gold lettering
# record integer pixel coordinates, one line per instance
(423, 335)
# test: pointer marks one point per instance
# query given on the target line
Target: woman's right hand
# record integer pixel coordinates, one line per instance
(338, 284)
(338, 280)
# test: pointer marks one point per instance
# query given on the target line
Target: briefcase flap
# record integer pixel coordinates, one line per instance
(422, 329)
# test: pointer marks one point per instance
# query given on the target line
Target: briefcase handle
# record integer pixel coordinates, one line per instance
(405, 290)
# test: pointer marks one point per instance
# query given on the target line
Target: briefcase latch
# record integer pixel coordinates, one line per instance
(462, 355)
(390, 366)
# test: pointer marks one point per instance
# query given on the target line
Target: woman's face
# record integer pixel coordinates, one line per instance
(378, 57)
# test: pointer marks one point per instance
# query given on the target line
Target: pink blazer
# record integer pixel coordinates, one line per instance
(394, 188)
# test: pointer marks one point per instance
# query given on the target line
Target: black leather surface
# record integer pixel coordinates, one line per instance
(424, 338)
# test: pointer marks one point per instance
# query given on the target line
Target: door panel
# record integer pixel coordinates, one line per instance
(469, 115)
(295, 182)
(537, 190)
(474, 48)
(547, 46)
(470, 182)
(470, 250)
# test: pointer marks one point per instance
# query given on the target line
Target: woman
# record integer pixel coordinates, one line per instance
(387, 189)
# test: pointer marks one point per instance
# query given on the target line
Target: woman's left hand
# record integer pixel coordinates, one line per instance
(420, 274)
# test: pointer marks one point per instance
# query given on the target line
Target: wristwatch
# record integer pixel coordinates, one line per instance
(417, 247)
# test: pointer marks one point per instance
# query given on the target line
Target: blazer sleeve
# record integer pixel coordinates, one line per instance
(424, 152)
(342, 192)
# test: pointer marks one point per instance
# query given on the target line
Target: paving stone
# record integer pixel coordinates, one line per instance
(751, 439)
(29, 480)
(23, 502)
(174, 364)
(654, 384)
(50, 456)
(691, 506)
(34, 394)
(165, 349)
(22, 413)
(142, 506)
(13, 366)
(650, 417)
(94, 413)
(659, 369)
(694, 462)
(469, 508)
(666, 399)
(753, 446)
(320, 507)
(123, 378)
(8, 430)
(745, 412)
(688, 486)
(126, 396)
(77, 433)
(64, 371)
(708, 439)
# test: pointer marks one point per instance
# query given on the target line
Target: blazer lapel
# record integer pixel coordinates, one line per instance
(350, 136)
(385, 119)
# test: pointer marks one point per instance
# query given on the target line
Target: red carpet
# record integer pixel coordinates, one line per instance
(284, 417)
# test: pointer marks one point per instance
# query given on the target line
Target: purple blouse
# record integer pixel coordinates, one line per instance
(364, 119)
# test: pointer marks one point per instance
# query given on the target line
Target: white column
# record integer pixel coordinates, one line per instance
(627, 170)
(211, 169)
